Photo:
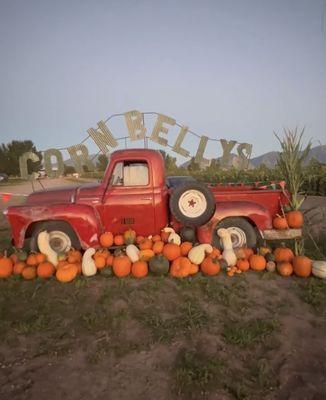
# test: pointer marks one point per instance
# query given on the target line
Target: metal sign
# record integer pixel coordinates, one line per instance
(136, 127)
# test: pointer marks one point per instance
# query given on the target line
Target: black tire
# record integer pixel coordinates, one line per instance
(50, 226)
(242, 224)
(203, 217)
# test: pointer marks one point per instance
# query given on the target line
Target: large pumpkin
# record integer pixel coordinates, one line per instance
(106, 239)
(294, 219)
(139, 269)
(121, 266)
(302, 266)
(159, 265)
(67, 273)
(171, 251)
(257, 262)
(6, 265)
(45, 269)
(283, 254)
(180, 267)
(285, 268)
(210, 266)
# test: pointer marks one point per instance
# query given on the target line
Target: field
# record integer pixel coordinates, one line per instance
(252, 336)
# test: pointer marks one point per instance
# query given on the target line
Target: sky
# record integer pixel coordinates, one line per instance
(228, 69)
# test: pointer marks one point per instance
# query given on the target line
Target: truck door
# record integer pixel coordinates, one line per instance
(129, 199)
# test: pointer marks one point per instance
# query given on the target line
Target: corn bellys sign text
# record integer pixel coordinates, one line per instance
(135, 122)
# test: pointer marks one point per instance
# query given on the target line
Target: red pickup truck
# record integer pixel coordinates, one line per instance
(134, 193)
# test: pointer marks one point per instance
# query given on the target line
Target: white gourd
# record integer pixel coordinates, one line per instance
(197, 254)
(132, 252)
(88, 264)
(228, 253)
(43, 242)
(174, 238)
(319, 269)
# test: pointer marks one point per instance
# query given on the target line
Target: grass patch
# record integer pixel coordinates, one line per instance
(313, 292)
(195, 374)
(248, 333)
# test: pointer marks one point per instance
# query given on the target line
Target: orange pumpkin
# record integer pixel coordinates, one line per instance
(74, 256)
(146, 255)
(139, 269)
(106, 239)
(283, 253)
(14, 258)
(294, 219)
(285, 268)
(6, 265)
(67, 273)
(31, 260)
(210, 266)
(257, 262)
(158, 247)
(247, 251)
(171, 251)
(29, 272)
(193, 269)
(100, 262)
(185, 247)
(61, 264)
(243, 264)
(40, 258)
(145, 244)
(280, 223)
(180, 267)
(121, 266)
(118, 240)
(139, 239)
(18, 267)
(156, 238)
(302, 266)
(165, 236)
(45, 269)
(109, 260)
(215, 253)
(129, 236)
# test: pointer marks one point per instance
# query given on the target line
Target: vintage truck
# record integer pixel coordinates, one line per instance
(134, 193)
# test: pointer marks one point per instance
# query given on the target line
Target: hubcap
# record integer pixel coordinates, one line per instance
(238, 236)
(192, 203)
(59, 241)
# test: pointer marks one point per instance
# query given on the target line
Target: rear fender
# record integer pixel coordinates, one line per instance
(83, 220)
(256, 214)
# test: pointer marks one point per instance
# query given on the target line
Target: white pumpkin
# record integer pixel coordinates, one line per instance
(197, 254)
(132, 252)
(43, 242)
(88, 263)
(228, 253)
(319, 269)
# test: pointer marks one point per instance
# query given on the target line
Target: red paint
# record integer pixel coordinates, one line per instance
(93, 209)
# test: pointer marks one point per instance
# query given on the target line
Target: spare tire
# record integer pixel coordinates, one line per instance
(192, 204)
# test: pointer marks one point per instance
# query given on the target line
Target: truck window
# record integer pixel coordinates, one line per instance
(130, 173)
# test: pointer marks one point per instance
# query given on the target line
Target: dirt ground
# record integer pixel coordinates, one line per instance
(252, 336)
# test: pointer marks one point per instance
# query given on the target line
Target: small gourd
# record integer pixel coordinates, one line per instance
(228, 253)
(271, 266)
(319, 269)
(197, 254)
(132, 252)
(43, 242)
(88, 264)
(174, 238)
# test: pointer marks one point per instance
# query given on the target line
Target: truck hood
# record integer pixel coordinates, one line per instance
(60, 195)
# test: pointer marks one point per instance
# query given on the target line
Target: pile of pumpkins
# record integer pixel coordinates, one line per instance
(167, 253)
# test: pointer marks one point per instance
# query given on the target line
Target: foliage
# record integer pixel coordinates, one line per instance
(102, 162)
(69, 169)
(10, 153)
(291, 161)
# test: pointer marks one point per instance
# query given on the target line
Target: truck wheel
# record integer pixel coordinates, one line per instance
(242, 232)
(192, 204)
(62, 236)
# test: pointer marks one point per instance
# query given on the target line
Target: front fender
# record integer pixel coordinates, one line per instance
(83, 219)
(258, 215)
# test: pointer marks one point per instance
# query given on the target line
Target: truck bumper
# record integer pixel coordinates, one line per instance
(274, 234)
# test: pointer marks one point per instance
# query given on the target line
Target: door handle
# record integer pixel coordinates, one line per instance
(146, 198)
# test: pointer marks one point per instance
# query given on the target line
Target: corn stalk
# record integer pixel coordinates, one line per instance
(290, 162)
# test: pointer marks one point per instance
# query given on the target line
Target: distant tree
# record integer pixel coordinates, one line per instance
(193, 166)
(69, 169)
(10, 153)
(102, 162)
